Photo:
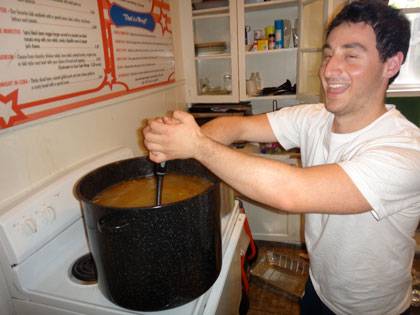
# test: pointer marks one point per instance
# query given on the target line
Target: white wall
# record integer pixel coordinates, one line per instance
(31, 154)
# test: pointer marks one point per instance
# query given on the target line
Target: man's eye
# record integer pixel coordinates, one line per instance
(352, 56)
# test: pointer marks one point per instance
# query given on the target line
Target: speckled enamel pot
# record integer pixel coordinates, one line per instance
(156, 258)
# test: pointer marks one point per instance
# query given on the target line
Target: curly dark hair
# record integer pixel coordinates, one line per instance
(391, 26)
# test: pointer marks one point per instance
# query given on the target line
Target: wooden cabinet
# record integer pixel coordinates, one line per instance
(210, 50)
(217, 60)
(274, 66)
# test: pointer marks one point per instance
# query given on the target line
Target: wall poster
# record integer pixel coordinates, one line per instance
(58, 55)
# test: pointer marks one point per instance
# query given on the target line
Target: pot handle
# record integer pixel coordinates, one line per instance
(113, 223)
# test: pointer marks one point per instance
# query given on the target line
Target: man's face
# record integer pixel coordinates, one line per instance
(352, 73)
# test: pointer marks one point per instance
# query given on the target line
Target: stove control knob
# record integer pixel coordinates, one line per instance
(29, 226)
(47, 214)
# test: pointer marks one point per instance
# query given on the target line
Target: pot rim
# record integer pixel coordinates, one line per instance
(81, 198)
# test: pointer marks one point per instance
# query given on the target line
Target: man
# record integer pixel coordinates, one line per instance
(360, 181)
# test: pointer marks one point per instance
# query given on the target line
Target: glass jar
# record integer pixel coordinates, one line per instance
(227, 82)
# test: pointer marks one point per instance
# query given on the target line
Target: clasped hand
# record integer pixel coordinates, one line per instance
(174, 137)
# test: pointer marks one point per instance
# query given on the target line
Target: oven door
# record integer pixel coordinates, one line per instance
(225, 296)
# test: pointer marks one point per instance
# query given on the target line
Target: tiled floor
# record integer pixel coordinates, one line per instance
(263, 300)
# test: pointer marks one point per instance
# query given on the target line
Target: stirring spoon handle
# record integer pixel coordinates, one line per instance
(160, 171)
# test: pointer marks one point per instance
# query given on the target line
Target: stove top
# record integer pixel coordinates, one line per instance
(84, 270)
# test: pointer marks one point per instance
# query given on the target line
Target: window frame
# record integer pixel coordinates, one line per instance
(405, 90)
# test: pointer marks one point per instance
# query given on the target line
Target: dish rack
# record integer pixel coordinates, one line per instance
(285, 273)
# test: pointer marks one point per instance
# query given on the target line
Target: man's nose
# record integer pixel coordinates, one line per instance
(333, 66)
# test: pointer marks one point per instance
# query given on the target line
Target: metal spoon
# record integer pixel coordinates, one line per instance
(160, 171)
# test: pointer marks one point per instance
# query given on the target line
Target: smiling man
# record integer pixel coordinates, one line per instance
(360, 183)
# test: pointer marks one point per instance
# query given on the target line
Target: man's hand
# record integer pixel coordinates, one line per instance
(176, 137)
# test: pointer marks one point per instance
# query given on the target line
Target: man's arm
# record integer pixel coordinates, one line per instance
(229, 129)
(325, 188)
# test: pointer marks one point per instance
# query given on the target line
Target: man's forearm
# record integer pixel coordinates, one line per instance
(227, 130)
(250, 175)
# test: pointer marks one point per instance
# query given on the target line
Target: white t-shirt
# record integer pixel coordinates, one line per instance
(361, 263)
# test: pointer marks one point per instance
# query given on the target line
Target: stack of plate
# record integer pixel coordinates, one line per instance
(209, 4)
(211, 48)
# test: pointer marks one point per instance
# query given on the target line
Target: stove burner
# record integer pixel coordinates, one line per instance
(84, 269)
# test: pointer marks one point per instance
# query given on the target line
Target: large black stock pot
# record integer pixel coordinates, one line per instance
(155, 258)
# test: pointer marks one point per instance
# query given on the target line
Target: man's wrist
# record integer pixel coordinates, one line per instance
(203, 147)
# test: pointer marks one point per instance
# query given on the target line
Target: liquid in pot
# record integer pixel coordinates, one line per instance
(141, 192)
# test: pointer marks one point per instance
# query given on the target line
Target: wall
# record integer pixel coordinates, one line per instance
(31, 154)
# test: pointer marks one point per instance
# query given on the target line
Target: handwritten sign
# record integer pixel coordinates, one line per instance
(58, 55)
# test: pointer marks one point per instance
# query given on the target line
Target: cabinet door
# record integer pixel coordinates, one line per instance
(274, 65)
(210, 51)
(311, 31)
(315, 16)
(269, 224)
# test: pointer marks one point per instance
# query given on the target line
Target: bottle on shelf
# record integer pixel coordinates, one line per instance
(287, 31)
(227, 82)
(253, 78)
(279, 33)
(258, 81)
(251, 85)
(271, 42)
(295, 33)
(269, 30)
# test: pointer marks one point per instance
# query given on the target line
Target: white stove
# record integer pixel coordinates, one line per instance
(43, 235)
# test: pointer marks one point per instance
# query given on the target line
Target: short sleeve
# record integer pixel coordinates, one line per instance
(287, 123)
(388, 177)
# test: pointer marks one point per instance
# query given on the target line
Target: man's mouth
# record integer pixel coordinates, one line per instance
(337, 88)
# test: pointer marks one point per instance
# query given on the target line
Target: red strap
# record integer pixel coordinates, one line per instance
(244, 275)
(253, 253)
(249, 233)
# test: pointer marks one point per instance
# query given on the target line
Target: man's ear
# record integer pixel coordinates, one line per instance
(393, 64)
